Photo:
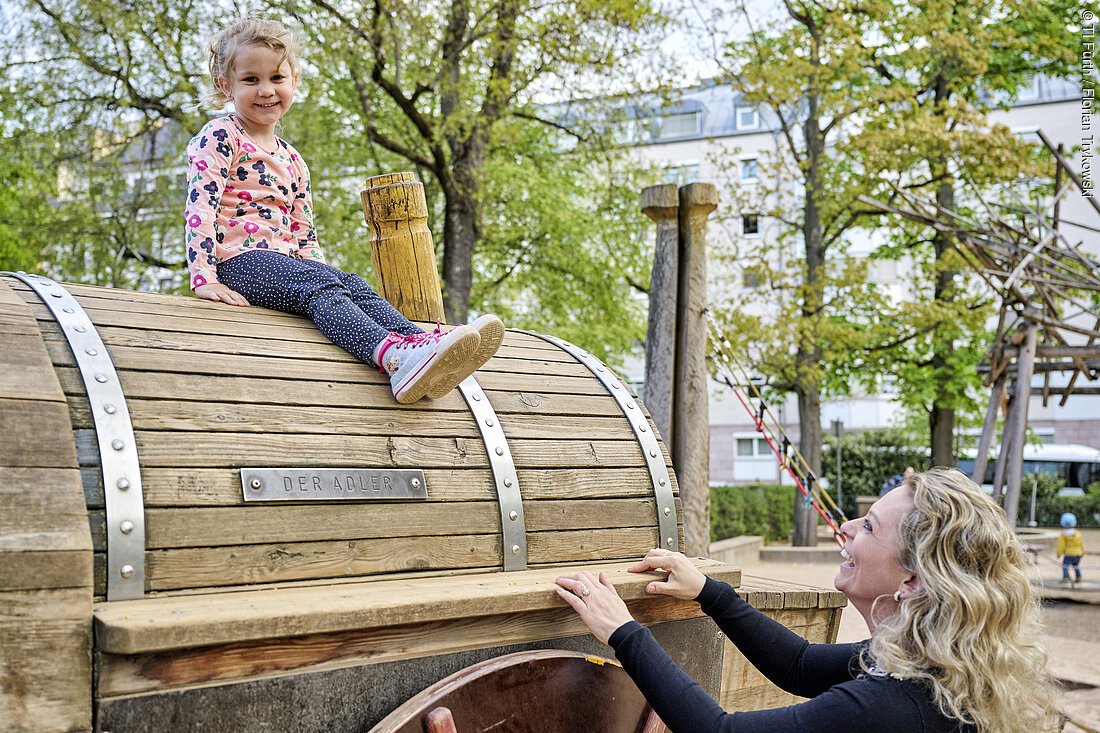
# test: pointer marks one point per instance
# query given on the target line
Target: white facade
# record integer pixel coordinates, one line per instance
(711, 135)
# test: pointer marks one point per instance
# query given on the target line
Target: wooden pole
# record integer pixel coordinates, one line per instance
(661, 204)
(396, 212)
(1015, 459)
(691, 414)
(981, 458)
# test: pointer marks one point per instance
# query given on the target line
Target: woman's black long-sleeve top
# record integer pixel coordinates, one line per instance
(842, 696)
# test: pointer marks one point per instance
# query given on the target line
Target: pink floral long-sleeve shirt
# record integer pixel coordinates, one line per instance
(241, 197)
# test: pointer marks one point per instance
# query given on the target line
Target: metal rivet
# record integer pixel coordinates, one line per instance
(68, 310)
(642, 427)
(630, 405)
(489, 421)
(476, 397)
(515, 549)
(507, 481)
(126, 526)
(256, 484)
(499, 451)
(58, 295)
(667, 511)
(117, 444)
(79, 329)
(614, 385)
(415, 483)
(90, 351)
(599, 369)
(109, 408)
(661, 481)
(101, 378)
(652, 453)
(670, 542)
(123, 484)
(513, 515)
(127, 571)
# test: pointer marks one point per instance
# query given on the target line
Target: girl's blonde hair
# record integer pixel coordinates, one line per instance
(247, 31)
(972, 632)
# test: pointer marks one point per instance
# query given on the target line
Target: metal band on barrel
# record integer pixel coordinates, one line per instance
(505, 478)
(118, 455)
(647, 439)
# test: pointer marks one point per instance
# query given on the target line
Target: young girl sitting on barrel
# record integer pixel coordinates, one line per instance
(250, 235)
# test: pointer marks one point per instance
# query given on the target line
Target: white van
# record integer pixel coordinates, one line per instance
(1077, 466)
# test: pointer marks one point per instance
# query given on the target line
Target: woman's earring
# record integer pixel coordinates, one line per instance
(897, 596)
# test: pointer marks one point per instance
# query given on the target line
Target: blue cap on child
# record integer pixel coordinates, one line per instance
(1068, 520)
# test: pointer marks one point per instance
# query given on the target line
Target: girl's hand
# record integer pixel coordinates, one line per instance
(221, 294)
(598, 604)
(684, 581)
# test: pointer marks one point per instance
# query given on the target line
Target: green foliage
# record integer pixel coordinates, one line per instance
(756, 509)
(867, 459)
(1049, 507)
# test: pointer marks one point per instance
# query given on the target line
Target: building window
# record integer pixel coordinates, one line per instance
(750, 170)
(753, 448)
(752, 276)
(681, 125)
(682, 173)
(748, 118)
(1029, 90)
(750, 225)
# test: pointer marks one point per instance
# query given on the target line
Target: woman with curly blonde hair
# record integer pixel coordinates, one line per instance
(937, 573)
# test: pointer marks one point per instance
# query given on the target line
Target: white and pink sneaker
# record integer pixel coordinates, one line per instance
(427, 364)
(491, 331)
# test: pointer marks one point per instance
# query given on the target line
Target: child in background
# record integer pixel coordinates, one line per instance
(250, 235)
(1071, 547)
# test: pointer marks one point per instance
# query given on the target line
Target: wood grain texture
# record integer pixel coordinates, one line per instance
(45, 546)
(180, 622)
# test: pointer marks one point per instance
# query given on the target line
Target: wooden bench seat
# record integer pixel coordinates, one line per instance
(185, 621)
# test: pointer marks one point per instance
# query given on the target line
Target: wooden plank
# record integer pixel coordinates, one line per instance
(180, 622)
(507, 358)
(171, 386)
(590, 545)
(264, 525)
(222, 487)
(231, 365)
(210, 567)
(43, 509)
(574, 514)
(125, 675)
(25, 369)
(269, 524)
(228, 417)
(202, 450)
(24, 423)
(46, 637)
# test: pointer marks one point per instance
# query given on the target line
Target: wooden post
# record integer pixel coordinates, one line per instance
(1025, 364)
(981, 458)
(661, 203)
(401, 245)
(690, 402)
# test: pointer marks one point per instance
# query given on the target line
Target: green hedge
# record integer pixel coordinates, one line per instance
(754, 509)
(1049, 506)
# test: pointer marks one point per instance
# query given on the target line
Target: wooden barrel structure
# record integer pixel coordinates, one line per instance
(212, 518)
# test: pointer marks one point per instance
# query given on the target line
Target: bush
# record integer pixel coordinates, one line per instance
(867, 459)
(1049, 507)
(755, 509)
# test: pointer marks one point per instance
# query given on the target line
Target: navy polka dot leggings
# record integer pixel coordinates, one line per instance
(342, 306)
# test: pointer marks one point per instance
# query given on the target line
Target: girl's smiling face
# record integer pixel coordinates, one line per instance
(261, 84)
(871, 568)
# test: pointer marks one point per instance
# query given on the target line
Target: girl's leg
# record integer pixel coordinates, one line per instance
(273, 280)
(377, 308)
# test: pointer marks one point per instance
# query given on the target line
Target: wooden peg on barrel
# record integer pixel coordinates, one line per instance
(396, 212)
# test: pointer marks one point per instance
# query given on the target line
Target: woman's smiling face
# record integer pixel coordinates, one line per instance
(871, 568)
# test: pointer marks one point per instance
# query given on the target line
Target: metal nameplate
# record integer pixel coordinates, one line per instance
(333, 484)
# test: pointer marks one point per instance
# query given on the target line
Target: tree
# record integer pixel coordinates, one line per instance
(809, 69)
(433, 82)
(948, 65)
